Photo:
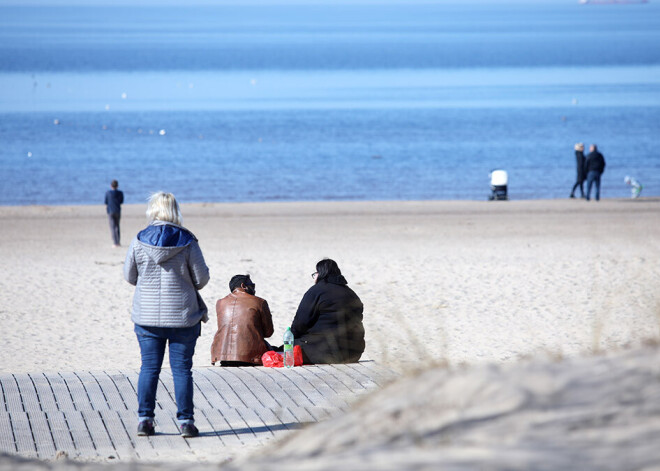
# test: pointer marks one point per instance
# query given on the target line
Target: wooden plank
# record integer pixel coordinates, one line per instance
(208, 441)
(221, 427)
(23, 434)
(376, 374)
(256, 425)
(321, 378)
(96, 395)
(113, 397)
(321, 413)
(143, 446)
(247, 383)
(167, 436)
(44, 392)
(379, 374)
(13, 401)
(269, 379)
(123, 442)
(61, 392)
(2, 395)
(301, 415)
(60, 431)
(125, 388)
(202, 391)
(253, 386)
(7, 444)
(77, 391)
(289, 386)
(207, 387)
(329, 376)
(236, 422)
(167, 425)
(164, 401)
(301, 378)
(272, 421)
(27, 392)
(354, 381)
(240, 389)
(286, 417)
(79, 431)
(221, 384)
(42, 435)
(102, 440)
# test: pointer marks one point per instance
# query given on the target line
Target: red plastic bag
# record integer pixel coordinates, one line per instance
(276, 359)
(272, 359)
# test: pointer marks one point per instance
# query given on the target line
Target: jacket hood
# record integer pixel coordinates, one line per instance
(336, 279)
(162, 241)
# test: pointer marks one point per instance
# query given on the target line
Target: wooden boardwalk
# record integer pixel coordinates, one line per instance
(92, 415)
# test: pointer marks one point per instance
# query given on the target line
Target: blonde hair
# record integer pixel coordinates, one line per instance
(163, 207)
(579, 146)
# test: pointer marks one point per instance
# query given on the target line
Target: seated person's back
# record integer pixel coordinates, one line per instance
(244, 321)
(328, 322)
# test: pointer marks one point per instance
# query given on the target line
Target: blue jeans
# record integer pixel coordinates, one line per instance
(113, 219)
(152, 348)
(593, 177)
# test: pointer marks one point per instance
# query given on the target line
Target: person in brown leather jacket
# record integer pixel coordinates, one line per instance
(244, 321)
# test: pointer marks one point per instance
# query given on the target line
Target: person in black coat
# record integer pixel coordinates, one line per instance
(594, 168)
(328, 323)
(579, 161)
(113, 201)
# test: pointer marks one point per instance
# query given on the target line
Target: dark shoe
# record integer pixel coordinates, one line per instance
(189, 431)
(146, 428)
(572, 196)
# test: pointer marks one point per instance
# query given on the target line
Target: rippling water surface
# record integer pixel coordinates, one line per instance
(324, 101)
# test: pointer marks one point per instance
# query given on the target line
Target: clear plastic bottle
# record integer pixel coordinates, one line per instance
(288, 348)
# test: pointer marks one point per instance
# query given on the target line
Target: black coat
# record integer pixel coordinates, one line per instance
(579, 160)
(328, 323)
(595, 163)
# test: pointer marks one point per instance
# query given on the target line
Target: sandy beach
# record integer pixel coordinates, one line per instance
(442, 282)
(488, 285)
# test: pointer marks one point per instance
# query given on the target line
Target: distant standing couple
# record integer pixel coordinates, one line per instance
(590, 169)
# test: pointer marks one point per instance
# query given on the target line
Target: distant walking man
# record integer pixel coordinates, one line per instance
(594, 168)
(113, 201)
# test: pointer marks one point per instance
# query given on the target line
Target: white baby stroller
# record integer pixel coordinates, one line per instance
(499, 180)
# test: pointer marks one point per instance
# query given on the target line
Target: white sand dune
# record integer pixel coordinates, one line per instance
(594, 413)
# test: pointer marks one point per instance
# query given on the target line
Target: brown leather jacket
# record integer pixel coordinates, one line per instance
(244, 321)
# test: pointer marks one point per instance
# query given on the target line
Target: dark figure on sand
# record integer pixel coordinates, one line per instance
(244, 322)
(113, 201)
(594, 168)
(579, 162)
(328, 323)
(167, 268)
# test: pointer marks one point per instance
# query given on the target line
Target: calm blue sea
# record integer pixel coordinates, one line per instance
(324, 101)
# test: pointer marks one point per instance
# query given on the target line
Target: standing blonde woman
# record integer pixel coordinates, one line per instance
(579, 161)
(166, 265)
